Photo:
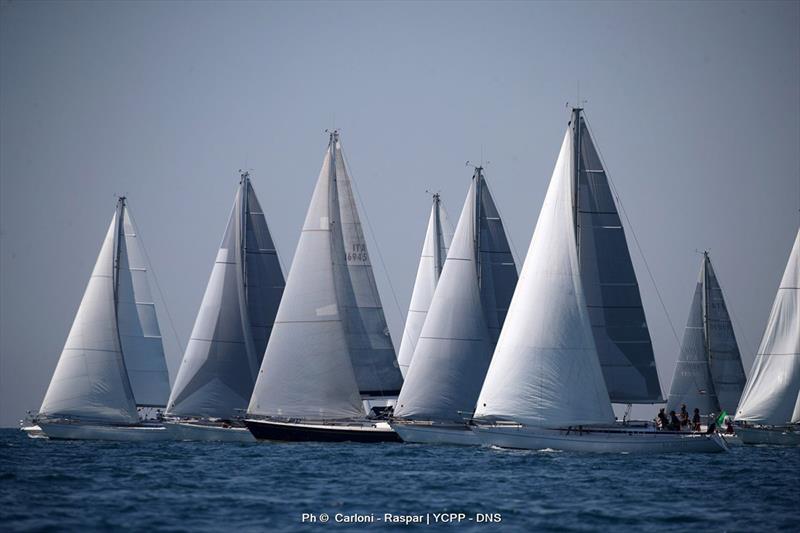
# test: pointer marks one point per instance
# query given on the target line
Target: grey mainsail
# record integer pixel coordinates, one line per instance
(114, 338)
(467, 310)
(308, 368)
(609, 281)
(692, 383)
(431, 261)
(230, 334)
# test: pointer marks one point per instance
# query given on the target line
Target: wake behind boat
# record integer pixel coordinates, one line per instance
(220, 366)
(547, 385)
(112, 364)
(330, 357)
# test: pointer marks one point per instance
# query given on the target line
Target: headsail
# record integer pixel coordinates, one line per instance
(692, 383)
(90, 380)
(456, 343)
(609, 281)
(307, 371)
(545, 370)
(371, 349)
(725, 360)
(431, 262)
(139, 333)
(229, 337)
(771, 394)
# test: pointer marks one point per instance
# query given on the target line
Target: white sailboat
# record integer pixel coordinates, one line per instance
(434, 252)
(769, 411)
(220, 366)
(113, 360)
(461, 328)
(547, 386)
(709, 374)
(330, 360)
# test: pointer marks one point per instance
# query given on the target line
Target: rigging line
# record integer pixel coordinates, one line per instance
(749, 346)
(158, 285)
(284, 272)
(514, 252)
(375, 240)
(633, 233)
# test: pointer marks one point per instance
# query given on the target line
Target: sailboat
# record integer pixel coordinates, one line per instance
(434, 252)
(220, 366)
(461, 329)
(709, 375)
(769, 411)
(330, 368)
(547, 386)
(112, 364)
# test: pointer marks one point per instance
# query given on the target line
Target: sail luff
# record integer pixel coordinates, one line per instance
(90, 381)
(241, 275)
(770, 396)
(434, 252)
(545, 370)
(609, 281)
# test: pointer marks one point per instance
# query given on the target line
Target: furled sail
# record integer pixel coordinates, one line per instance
(692, 383)
(434, 251)
(725, 360)
(371, 349)
(230, 334)
(90, 381)
(139, 333)
(456, 343)
(609, 281)
(545, 371)
(307, 371)
(771, 394)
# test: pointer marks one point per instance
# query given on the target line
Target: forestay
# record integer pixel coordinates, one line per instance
(609, 281)
(771, 394)
(545, 370)
(434, 252)
(456, 343)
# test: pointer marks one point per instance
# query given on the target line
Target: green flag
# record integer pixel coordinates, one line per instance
(721, 418)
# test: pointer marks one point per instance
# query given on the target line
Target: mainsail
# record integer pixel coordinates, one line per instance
(431, 262)
(467, 310)
(113, 359)
(545, 371)
(233, 325)
(308, 368)
(692, 383)
(771, 396)
(609, 281)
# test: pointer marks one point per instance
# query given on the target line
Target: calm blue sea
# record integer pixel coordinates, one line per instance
(88, 486)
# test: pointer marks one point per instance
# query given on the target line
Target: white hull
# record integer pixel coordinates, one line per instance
(33, 431)
(82, 431)
(436, 434)
(777, 436)
(598, 440)
(194, 431)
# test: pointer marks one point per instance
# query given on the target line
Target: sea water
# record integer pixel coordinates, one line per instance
(184, 486)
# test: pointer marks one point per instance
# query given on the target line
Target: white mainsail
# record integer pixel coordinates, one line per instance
(114, 341)
(545, 371)
(692, 383)
(771, 394)
(137, 322)
(609, 280)
(434, 252)
(370, 344)
(456, 344)
(308, 370)
(227, 344)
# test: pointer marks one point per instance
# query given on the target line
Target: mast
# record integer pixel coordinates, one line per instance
(477, 221)
(437, 230)
(705, 308)
(119, 236)
(576, 174)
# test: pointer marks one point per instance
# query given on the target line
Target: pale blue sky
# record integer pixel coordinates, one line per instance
(695, 106)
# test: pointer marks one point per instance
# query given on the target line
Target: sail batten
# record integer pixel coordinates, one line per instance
(771, 394)
(610, 286)
(434, 252)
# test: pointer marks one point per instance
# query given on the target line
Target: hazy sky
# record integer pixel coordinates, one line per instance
(695, 107)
